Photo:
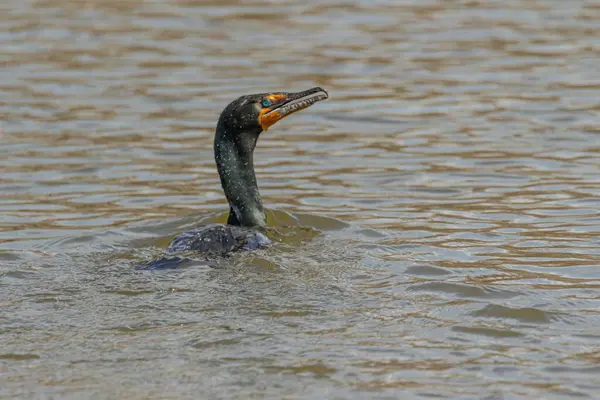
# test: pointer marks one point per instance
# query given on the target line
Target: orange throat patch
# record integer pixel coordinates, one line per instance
(266, 118)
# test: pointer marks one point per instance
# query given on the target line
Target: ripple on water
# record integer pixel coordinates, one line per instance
(526, 314)
(464, 291)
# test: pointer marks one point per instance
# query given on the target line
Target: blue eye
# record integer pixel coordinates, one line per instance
(266, 103)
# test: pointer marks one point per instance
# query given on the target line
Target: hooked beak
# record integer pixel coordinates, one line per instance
(285, 104)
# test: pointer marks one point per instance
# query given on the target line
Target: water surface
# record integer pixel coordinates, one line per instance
(437, 217)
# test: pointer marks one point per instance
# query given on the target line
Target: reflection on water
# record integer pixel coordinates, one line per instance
(437, 218)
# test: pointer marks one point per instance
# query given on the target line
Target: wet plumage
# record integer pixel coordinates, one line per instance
(218, 239)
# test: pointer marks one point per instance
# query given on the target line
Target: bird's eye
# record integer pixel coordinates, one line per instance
(266, 103)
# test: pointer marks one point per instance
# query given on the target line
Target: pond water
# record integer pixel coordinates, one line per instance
(437, 219)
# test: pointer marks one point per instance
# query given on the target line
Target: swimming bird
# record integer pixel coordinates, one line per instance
(237, 132)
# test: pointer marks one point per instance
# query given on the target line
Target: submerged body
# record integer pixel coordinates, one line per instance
(238, 129)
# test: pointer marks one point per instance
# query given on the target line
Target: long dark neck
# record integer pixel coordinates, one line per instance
(234, 158)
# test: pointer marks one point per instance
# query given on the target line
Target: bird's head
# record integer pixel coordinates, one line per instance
(257, 112)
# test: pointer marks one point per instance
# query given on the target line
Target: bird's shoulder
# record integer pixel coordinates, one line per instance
(218, 238)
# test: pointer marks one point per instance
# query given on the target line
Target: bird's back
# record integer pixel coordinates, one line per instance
(218, 239)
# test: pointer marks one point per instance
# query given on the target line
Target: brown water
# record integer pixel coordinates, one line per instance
(439, 215)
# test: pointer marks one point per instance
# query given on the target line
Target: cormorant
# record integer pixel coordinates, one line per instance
(238, 129)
